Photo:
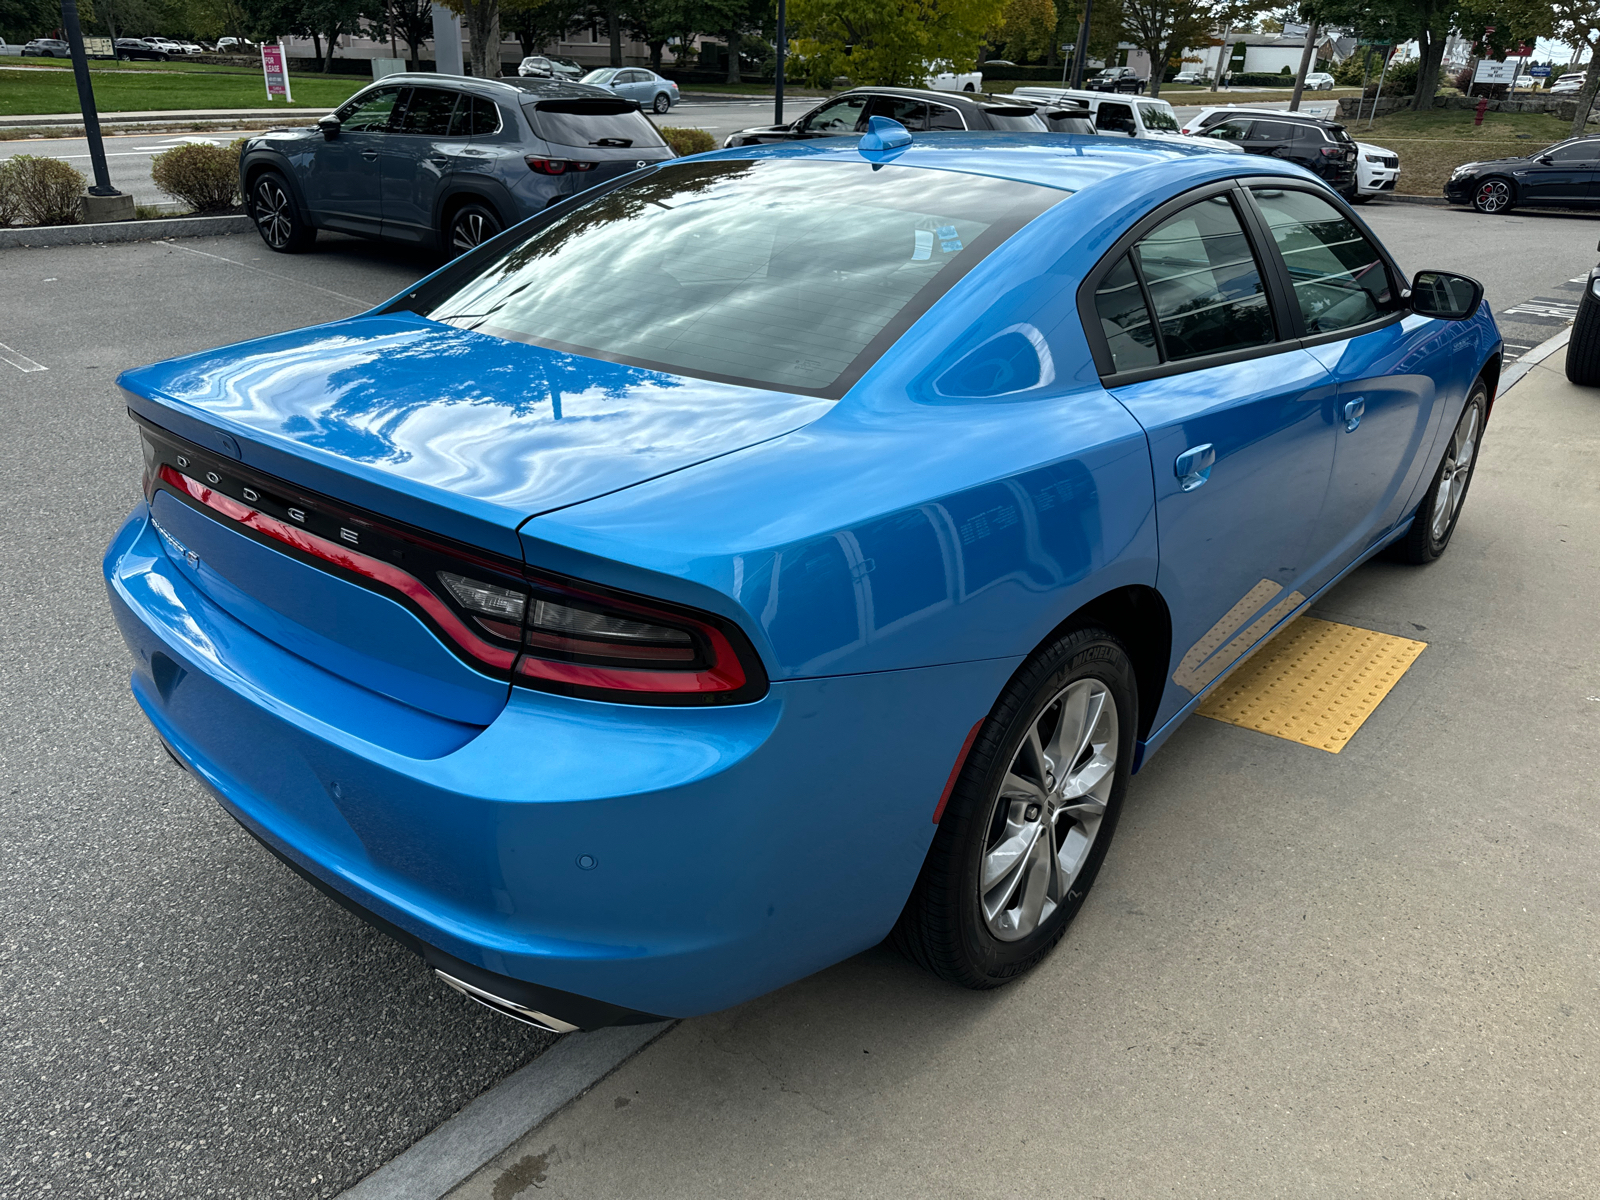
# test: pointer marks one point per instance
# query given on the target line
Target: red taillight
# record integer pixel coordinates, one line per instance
(555, 166)
(551, 634)
(1332, 151)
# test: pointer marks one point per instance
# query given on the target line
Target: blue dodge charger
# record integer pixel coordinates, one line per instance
(772, 551)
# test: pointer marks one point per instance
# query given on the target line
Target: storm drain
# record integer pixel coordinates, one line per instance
(1314, 684)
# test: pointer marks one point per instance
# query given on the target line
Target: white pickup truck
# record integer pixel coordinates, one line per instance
(949, 81)
(1132, 116)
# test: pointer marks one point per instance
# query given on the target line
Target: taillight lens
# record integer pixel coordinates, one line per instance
(537, 630)
(555, 166)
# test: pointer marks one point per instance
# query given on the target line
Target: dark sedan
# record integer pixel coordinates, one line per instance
(1566, 175)
(1324, 148)
(921, 110)
(139, 50)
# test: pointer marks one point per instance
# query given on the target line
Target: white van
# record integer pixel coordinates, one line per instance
(1134, 116)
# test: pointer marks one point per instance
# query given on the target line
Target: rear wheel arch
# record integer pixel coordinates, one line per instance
(1139, 618)
(451, 201)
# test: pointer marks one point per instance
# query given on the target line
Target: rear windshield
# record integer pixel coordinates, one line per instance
(597, 122)
(1014, 116)
(775, 273)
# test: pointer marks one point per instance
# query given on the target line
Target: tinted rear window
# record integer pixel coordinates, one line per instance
(1015, 117)
(776, 273)
(592, 123)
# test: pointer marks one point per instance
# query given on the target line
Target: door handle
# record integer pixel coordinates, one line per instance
(1352, 414)
(440, 161)
(369, 155)
(1193, 466)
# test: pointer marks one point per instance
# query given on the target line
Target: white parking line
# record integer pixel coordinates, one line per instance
(365, 304)
(20, 361)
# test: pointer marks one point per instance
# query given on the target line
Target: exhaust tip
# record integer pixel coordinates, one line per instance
(507, 1008)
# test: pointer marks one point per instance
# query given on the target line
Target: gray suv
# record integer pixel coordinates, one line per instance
(441, 161)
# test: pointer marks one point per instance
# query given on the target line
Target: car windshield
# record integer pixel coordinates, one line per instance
(774, 272)
(601, 76)
(602, 121)
(1158, 116)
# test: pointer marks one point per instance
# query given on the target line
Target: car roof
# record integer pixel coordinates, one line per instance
(508, 89)
(1070, 162)
(976, 99)
(1088, 96)
(1275, 113)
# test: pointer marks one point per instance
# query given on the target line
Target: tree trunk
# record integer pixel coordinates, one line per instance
(735, 38)
(1591, 82)
(1305, 65)
(483, 37)
(316, 46)
(656, 48)
(1431, 45)
(614, 27)
(333, 44)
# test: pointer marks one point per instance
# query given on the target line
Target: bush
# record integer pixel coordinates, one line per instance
(688, 141)
(206, 178)
(42, 191)
(1260, 79)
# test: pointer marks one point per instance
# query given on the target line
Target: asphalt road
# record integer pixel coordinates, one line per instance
(182, 1016)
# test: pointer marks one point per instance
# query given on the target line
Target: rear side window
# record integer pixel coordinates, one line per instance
(1204, 283)
(913, 114)
(1125, 319)
(474, 116)
(1339, 278)
(943, 117)
(596, 122)
(429, 111)
(1272, 131)
(781, 273)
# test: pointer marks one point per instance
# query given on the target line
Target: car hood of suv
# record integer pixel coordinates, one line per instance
(464, 424)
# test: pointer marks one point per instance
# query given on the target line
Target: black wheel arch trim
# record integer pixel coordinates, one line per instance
(256, 161)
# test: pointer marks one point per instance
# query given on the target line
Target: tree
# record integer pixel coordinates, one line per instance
(1577, 23)
(1027, 29)
(537, 23)
(1163, 28)
(483, 34)
(889, 41)
(411, 21)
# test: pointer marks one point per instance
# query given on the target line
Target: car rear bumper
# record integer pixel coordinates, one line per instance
(596, 862)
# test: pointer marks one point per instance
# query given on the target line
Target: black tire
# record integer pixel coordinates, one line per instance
(1358, 198)
(1493, 196)
(1583, 348)
(1429, 535)
(662, 102)
(968, 88)
(469, 227)
(278, 219)
(944, 927)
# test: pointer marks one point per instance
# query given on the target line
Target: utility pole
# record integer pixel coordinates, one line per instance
(1082, 47)
(104, 202)
(783, 47)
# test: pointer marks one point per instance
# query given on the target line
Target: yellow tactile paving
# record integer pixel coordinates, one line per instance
(1315, 683)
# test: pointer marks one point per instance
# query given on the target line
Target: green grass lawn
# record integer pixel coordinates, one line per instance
(1432, 144)
(26, 92)
(111, 64)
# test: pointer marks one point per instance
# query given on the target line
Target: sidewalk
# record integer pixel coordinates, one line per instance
(148, 116)
(1300, 974)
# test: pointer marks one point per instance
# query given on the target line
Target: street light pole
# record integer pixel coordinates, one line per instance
(783, 46)
(1082, 47)
(91, 117)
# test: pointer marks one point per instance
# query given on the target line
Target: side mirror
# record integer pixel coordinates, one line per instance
(1545, 159)
(329, 126)
(1445, 295)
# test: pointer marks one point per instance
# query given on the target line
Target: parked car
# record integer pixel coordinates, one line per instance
(1322, 147)
(1194, 76)
(1209, 115)
(47, 48)
(1116, 79)
(230, 45)
(192, 47)
(1377, 171)
(174, 49)
(779, 549)
(1319, 81)
(139, 50)
(1559, 176)
(443, 162)
(1153, 120)
(1568, 84)
(1583, 348)
(945, 79)
(647, 88)
(918, 109)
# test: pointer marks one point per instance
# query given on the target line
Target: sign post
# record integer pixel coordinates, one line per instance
(275, 66)
(104, 202)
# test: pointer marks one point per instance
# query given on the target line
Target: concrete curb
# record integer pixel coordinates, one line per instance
(1403, 199)
(1515, 372)
(123, 231)
(496, 1119)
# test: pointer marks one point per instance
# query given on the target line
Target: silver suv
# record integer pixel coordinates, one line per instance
(442, 162)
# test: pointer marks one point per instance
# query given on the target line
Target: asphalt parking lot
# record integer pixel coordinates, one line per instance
(185, 1017)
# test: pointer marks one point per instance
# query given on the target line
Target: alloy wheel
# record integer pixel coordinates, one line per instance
(1493, 196)
(469, 229)
(1455, 473)
(1047, 816)
(274, 216)
(662, 103)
